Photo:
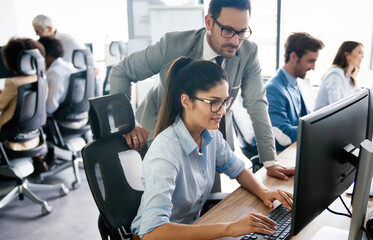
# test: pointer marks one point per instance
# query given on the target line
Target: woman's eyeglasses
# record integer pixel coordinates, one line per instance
(215, 105)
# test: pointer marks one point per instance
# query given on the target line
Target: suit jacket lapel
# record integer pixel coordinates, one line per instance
(196, 51)
(231, 67)
(291, 93)
(303, 93)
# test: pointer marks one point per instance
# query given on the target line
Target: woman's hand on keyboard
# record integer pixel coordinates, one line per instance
(252, 223)
(269, 196)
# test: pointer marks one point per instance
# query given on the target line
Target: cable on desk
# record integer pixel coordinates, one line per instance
(344, 204)
(342, 214)
(349, 215)
(338, 213)
(366, 233)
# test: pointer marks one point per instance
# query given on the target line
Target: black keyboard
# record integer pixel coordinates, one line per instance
(282, 216)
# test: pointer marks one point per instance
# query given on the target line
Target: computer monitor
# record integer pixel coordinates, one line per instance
(323, 168)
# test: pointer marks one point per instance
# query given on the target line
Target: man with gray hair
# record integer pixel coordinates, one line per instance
(43, 26)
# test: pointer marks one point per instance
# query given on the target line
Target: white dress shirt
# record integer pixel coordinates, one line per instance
(58, 75)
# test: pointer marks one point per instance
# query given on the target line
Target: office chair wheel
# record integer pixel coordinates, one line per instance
(63, 190)
(75, 185)
(46, 209)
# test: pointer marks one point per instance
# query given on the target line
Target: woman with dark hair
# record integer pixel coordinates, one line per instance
(8, 96)
(180, 165)
(339, 82)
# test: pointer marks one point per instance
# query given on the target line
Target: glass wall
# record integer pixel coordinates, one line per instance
(332, 21)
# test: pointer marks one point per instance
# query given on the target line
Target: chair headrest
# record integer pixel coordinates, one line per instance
(31, 62)
(110, 114)
(118, 48)
(82, 58)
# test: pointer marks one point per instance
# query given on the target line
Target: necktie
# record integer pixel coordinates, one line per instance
(219, 61)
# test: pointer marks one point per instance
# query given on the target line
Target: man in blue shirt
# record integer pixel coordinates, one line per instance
(285, 98)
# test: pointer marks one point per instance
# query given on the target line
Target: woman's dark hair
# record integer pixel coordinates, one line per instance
(186, 76)
(215, 6)
(53, 46)
(14, 47)
(340, 59)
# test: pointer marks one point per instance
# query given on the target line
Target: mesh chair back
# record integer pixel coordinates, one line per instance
(81, 87)
(30, 113)
(117, 49)
(112, 168)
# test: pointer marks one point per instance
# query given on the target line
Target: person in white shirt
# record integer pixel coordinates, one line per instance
(339, 82)
(58, 78)
(43, 26)
(58, 72)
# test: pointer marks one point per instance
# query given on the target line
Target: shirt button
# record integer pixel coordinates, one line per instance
(199, 202)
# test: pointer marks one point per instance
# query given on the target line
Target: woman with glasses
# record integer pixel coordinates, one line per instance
(180, 165)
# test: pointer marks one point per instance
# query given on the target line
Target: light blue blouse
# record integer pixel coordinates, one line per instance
(178, 178)
(335, 86)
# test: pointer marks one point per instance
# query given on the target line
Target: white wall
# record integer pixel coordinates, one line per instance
(94, 21)
(8, 25)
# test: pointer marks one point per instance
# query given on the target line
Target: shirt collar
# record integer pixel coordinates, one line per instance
(188, 143)
(208, 53)
(292, 82)
(55, 62)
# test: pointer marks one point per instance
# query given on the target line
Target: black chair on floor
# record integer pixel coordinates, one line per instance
(112, 168)
(67, 129)
(26, 124)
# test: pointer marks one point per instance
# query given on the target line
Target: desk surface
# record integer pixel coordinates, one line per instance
(240, 203)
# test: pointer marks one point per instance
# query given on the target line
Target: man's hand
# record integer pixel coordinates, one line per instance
(280, 172)
(137, 138)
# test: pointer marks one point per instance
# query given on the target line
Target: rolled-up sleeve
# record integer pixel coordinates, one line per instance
(159, 178)
(226, 160)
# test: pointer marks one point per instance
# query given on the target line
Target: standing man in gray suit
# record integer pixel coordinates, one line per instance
(225, 35)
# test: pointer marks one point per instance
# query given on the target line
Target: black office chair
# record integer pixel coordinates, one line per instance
(117, 49)
(68, 128)
(112, 168)
(26, 124)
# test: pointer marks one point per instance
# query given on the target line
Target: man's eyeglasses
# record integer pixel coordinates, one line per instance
(228, 32)
(215, 105)
(39, 31)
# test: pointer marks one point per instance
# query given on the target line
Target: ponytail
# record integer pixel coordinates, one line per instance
(171, 106)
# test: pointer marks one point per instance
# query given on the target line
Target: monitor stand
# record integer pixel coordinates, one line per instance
(360, 199)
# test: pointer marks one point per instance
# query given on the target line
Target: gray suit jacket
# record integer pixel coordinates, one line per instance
(243, 70)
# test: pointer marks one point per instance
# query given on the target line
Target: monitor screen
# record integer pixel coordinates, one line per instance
(322, 170)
